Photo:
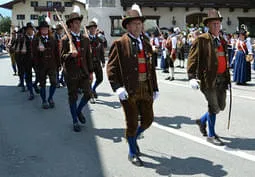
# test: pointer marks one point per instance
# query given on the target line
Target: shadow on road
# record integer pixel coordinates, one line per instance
(165, 166)
(240, 143)
(114, 134)
(36, 142)
(112, 104)
(174, 122)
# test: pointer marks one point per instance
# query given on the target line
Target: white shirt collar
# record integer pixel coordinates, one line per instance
(139, 40)
(75, 34)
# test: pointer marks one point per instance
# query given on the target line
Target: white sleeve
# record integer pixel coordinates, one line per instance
(156, 41)
(249, 47)
(174, 42)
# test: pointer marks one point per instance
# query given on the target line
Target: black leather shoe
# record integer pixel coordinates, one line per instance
(45, 105)
(92, 100)
(81, 118)
(31, 97)
(95, 94)
(63, 83)
(76, 127)
(168, 78)
(202, 127)
(171, 79)
(215, 140)
(51, 104)
(134, 159)
(58, 85)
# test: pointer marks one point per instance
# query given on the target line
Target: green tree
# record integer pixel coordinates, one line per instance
(5, 24)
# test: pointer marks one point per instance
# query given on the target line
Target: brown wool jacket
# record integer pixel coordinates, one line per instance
(70, 64)
(50, 57)
(203, 61)
(122, 67)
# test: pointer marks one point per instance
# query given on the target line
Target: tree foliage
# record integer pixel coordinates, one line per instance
(5, 24)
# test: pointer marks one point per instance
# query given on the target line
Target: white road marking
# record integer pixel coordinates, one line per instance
(226, 149)
(187, 86)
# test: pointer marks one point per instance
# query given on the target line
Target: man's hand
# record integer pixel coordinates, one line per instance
(194, 83)
(122, 93)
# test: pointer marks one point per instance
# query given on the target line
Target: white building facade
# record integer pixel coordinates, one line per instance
(166, 14)
(24, 11)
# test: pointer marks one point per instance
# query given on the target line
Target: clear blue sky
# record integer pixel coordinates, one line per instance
(5, 12)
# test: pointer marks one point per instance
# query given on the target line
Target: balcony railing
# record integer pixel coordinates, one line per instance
(46, 8)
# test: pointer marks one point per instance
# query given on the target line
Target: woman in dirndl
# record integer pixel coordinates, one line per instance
(242, 68)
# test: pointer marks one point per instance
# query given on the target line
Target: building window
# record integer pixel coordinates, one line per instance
(116, 26)
(55, 18)
(34, 4)
(49, 4)
(94, 3)
(34, 17)
(56, 4)
(20, 17)
(151, 24)
(68, 4)
(108, 3)
(250, 23)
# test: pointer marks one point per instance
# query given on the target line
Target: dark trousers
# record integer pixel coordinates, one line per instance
(216, 97)
(28, 63)
(47, 71)
(98, 73)
(139, 103)
(20, 64)
(155, 58)
(74, 83)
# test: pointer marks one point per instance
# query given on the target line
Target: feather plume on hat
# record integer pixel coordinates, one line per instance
(137, 8)
(76, 9)
(75, 15)
(134, 13)
(95, 20)
(47, 19)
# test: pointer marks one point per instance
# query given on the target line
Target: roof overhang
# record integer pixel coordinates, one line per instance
(9, 5)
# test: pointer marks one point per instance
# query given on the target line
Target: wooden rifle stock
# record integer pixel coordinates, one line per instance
(71, 44)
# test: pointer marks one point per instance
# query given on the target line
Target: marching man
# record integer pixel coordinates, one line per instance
(131, 72)
(78, 68)
(98, 59)
(45, 51)
(208, 69)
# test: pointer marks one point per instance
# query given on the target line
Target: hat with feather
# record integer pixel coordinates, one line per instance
(45, 22)
(92, 23)
(75, 15)
(213, 14)
(132, 14)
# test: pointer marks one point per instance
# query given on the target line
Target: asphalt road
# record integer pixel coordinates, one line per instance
(40, 143)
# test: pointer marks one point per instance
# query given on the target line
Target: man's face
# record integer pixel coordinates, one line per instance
(30, 31)
(92, 30)
(214, 27)
(75, 26)
(60, 31)
(135, 27)
(44, 31)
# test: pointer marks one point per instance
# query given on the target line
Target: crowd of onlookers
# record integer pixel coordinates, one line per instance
(3, 41)
(241, 50)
